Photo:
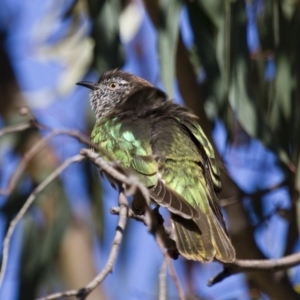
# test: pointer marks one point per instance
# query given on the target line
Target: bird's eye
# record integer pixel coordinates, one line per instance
(113, 85)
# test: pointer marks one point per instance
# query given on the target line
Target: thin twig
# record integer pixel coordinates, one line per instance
(130, 214)
(15, 128)
(117, 172)
(229, 201)
(151, 218)
(162, 281)
(133, 185)
(36, 149)
(270, 265)
(83, 292)
(164, 234)
(175, 278)
(279, 208)
(23, 210)
(263, 265)
(23, 164)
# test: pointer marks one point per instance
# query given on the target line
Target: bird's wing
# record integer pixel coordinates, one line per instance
(210, 165)
(129, 143)
(188, 167)
(203, 145)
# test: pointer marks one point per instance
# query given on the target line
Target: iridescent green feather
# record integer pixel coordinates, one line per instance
(124, 146)
(198, 133)
(171, 165)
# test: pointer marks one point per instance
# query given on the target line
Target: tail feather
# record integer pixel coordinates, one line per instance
(192, 243)
(202, 239)
(224, 249)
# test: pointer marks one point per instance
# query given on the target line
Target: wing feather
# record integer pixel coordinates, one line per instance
(130, 144)
(213, 177)
(170, 199)
(175, 160)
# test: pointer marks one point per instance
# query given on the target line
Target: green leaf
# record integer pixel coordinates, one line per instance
(108, 52)
(74, 49)
(168, 28)
(214, 9)
(297, 189)
(206, 43)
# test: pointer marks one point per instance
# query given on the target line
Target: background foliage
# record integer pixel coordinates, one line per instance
(234, 63)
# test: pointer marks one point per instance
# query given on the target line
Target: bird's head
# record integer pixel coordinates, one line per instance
(112, 89)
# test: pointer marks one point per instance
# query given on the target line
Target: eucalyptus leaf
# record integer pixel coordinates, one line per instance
(205, 39)
(214, 9)
(167, 32)
(108, 52)
(297, 187)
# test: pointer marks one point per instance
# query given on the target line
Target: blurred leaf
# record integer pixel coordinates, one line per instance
(295, 103)
(275, 20)
(282, 100)
(168, 27)
(108, 52)
(288, 8)
(95, 7)
(214, 9)
(247, 102)
(73, 48)
(223, 51)
(205, 36)
(297, 189)
(267, 23)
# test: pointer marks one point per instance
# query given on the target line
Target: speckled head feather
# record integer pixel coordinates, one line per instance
(117, 73)
(113, 88)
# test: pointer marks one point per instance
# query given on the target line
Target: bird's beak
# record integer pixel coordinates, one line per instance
(89, 85)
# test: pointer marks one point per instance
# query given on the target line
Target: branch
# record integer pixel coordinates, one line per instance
(175, 279)
(141, 218)
(162, 284)
(164, 234)
(168, 243)
(116, 171)
(263, 265)
(85, 291)
(35, 150)
(278, 210)
(130, 214)
(25, 207)
(152, 219)
(162, 281)
(131, 186)
(270, 265)
(15, 128)
(31, 123)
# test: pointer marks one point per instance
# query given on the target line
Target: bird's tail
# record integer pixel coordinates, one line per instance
(202, 239)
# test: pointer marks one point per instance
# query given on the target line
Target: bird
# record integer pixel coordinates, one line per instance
(162, 144)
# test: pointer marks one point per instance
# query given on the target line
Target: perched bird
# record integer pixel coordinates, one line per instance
(162, 144)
